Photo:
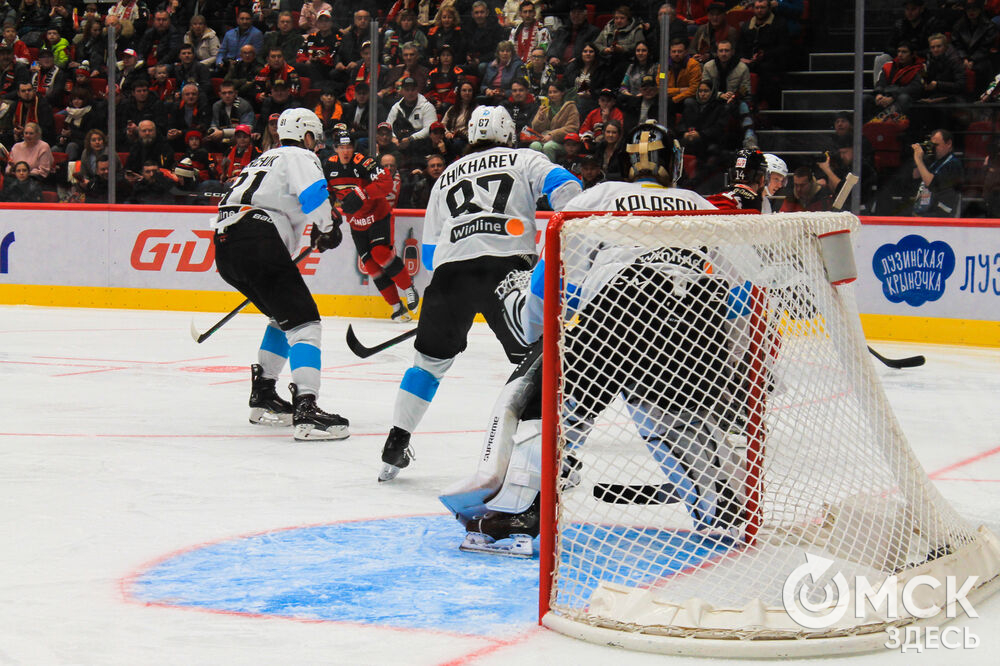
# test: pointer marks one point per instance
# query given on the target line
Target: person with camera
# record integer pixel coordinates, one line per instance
(940, 173)
(836, 166)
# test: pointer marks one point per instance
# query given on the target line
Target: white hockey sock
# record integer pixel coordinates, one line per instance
(417, 389)
(273, 352)
(304, 356)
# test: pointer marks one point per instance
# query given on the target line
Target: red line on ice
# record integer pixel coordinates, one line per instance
(87, 372)
(120, 360)
(490, 649)
(962, 463)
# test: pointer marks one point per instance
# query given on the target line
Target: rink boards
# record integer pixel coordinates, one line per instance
(920, 280)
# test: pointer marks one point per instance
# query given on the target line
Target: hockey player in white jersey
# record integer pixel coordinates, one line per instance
(650, 189)
(260, 223)
(499, 504)
(479, 227)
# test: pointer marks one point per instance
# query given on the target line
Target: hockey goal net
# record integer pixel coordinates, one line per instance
(711, 418)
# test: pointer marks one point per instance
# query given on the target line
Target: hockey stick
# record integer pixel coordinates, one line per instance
(640, 493)
(364, 352)
(898, 363)
(201, 337)
(850, 180)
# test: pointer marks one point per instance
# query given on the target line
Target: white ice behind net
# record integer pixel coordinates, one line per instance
(670, 349)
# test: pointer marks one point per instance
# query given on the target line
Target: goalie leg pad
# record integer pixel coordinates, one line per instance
(467, 498)
(691, 450)
(523, 480)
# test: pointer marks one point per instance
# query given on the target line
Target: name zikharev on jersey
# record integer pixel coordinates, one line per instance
(652, 202)
(484, 163)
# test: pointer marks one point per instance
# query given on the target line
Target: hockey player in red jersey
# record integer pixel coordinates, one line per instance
(367, 194)
(747, 177)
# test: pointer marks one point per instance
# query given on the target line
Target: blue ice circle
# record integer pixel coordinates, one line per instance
(398, 572)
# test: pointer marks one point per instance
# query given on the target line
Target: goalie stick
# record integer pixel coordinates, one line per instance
(201, 337)
(639, 493)
(362, 351)
(850, 180)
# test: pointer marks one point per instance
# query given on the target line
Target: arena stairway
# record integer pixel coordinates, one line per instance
(810, 101)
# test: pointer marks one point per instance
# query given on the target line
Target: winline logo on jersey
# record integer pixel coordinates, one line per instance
(816, 600)
(495, 226)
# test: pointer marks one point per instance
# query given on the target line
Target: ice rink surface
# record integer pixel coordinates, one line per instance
(145, 521)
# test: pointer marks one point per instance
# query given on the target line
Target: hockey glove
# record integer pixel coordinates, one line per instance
(353, 201)
(326, 240)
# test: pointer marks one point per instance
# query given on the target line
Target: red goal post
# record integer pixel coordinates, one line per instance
(817, 464)
(550, 377)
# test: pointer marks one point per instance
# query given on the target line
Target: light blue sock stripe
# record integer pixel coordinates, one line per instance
(275, 342)
(304, 355)
(420, 383)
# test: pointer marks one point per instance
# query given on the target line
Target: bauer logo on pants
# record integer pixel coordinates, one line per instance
(914, 270)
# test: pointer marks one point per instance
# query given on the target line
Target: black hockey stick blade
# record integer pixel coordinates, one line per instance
(362, 351)
(642, 493)
(201, 337)
(899, 363)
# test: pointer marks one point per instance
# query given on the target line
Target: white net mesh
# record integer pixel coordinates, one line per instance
(720, 411)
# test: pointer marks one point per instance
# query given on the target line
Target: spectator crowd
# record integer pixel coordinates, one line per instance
(199, 85)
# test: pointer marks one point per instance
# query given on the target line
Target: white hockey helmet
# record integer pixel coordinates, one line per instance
(775, 165)
(491, 123)
(293, 124)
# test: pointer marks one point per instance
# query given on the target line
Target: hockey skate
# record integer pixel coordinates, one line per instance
(412, 297)
(508, 534)
(312, 423)
(396, 454)
(266, 406)
(401, 314)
